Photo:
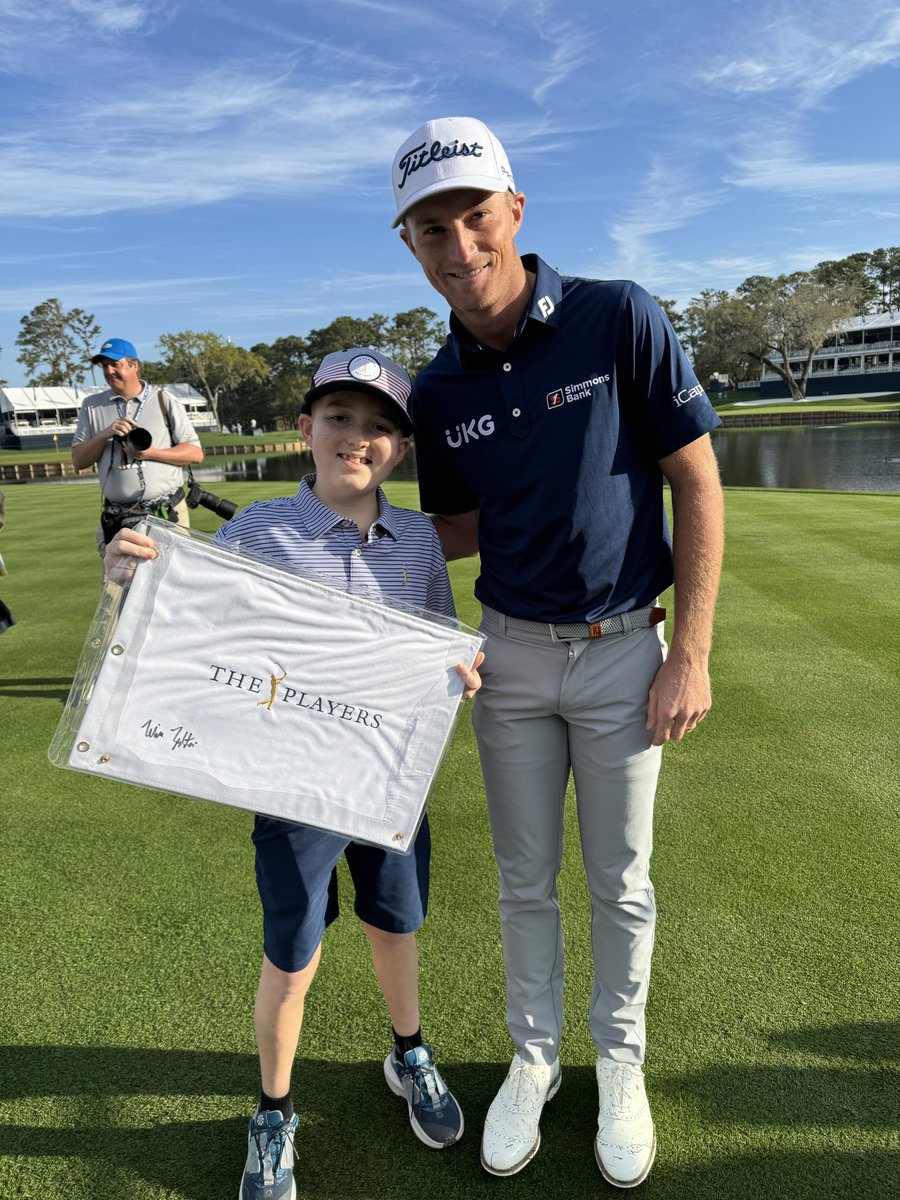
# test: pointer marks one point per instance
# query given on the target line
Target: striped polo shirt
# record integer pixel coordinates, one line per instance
(400, 557)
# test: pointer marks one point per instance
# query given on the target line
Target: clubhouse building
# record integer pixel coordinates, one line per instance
(860, 357)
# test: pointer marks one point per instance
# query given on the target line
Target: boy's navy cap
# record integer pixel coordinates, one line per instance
(115, 348)
(447, 154)
(362, 370)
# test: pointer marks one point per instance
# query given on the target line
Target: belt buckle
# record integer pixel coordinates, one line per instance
(596, 629)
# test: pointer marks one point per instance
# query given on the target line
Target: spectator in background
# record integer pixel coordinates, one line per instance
(6, 617)
(141, 439)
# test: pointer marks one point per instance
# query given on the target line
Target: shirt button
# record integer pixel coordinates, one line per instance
(507, 366)
(357, 552)
(517, 412)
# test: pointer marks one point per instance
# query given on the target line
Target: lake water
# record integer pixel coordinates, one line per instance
(855, 458)
(834, 458)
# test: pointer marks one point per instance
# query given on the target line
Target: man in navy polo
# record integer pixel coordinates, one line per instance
(545, 428)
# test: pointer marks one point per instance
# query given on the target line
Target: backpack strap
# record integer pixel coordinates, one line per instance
(167, 417)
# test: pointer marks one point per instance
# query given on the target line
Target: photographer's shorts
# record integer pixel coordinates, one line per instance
(296, 873)
(184, 520)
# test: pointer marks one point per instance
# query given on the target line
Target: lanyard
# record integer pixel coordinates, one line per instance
(122, 411)
(122, 405)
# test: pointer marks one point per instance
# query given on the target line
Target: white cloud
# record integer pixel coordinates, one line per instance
(776, 170)
(93, 294)
(112, 16)
(670, 197)
(571, 46)
(808, 54)
(212, 139)
(36, 37)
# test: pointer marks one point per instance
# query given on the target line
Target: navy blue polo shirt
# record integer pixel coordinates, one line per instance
(557, 440)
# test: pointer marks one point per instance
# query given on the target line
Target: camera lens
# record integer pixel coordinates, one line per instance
(219, 505)
(224, 508)
(138, 439)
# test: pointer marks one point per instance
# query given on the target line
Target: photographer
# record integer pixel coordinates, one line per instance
(140, 438)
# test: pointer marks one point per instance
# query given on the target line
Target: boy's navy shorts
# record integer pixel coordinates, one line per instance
(296, 873)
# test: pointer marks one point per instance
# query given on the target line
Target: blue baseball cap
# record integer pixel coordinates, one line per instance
(115, 348)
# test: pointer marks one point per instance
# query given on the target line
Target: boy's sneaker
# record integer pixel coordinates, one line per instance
(512, 1134)
(625, 1146)
(269, 1173)
(435, 1116)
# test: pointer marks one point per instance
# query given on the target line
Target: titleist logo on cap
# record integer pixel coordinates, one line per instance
(419, 157)
(446, 154)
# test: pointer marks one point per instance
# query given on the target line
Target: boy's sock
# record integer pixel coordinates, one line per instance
(407, 1043)
(283, 1104)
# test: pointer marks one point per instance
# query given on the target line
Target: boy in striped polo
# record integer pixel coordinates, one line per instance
(340, 526)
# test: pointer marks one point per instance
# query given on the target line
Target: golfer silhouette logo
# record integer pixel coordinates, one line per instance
(274, 681)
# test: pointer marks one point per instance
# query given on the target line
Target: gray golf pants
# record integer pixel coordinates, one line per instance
(547, 707)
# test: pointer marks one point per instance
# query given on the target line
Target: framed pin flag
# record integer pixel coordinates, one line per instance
(228, 678)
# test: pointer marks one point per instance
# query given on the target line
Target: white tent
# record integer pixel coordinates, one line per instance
(30, 412)
(52, 405)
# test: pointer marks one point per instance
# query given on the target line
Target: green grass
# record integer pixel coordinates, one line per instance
(246, 438)
(131, 939)
(207, 440)
(863, 403)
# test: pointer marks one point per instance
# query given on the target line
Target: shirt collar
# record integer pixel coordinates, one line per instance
(542, 309)
(319, 519)
(139, 399)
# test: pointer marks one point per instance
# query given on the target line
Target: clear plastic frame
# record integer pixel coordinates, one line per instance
(226, 677)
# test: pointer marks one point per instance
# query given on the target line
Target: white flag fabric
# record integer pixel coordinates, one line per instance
(230, 679)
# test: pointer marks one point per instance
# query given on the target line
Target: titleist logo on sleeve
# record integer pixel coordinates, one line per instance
(419, 157)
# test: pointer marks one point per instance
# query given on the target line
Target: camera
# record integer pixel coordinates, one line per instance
(221, 507)
(137, 440)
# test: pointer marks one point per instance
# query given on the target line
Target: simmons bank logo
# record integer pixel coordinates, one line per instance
(575, 391)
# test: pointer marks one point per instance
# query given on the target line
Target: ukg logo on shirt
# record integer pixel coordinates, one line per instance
(471, 431)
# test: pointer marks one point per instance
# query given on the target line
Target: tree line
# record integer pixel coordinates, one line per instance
(759, 324)
(266, 382)
(766, 318)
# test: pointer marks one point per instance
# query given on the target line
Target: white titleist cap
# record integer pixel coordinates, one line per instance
(446, 154)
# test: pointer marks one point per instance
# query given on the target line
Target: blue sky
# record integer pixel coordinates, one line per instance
(225, 165)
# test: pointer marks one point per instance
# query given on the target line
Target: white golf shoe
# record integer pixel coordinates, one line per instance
(625, 1146)
(512, 1132)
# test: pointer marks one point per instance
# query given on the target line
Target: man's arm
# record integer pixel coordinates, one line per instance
(180, 455)
(86, 453)
(680, 696)
(184, 448)
(458, 534)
